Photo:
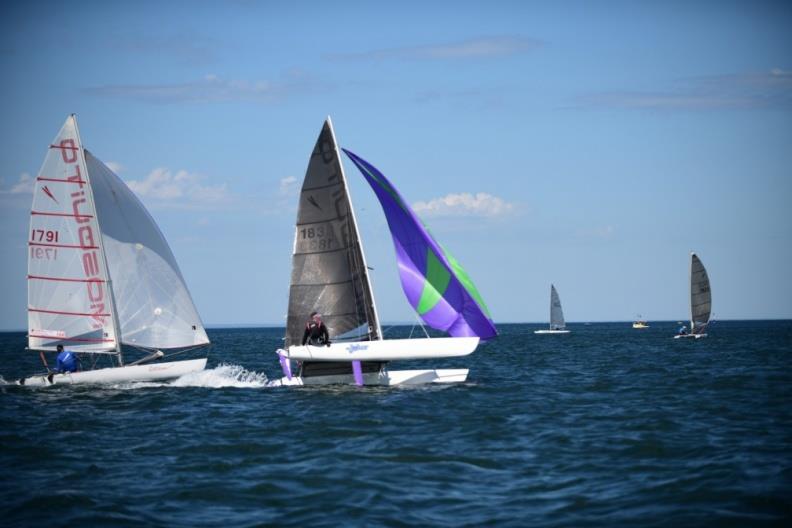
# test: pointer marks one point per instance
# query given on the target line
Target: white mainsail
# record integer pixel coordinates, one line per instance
(153, 305)
(556, 313)
(69, 300)
(99, 269)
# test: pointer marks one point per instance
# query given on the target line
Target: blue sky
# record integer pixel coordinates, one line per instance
(588, 144)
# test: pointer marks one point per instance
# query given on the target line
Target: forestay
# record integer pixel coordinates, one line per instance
(69, 301)
(700, 295)
(435, 284)
(153, 305)
(556, 313)
(329, 272)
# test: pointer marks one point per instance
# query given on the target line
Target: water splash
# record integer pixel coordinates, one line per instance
(223, 375)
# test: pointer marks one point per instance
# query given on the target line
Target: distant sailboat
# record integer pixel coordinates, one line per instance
(557, 324)
(101, 275)
(700, 300)
(330, 276)
(640, 323)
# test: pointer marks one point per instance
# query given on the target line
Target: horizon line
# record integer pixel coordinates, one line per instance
(229, 326)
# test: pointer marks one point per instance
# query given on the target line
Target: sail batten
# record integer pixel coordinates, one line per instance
(434, 283)
(329, 272)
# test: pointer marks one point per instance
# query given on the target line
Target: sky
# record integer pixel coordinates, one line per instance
(591, 145)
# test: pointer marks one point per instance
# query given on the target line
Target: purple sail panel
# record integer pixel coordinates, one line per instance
(436, 286)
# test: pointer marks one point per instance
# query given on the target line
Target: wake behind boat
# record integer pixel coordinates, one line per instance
(102, 281)
(330, 276)
(557, 324)
(700, 301)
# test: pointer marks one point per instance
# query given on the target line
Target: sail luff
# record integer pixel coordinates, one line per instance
(690, 281)
(365, 270)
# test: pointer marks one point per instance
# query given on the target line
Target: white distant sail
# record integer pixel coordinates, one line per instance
(69, 301)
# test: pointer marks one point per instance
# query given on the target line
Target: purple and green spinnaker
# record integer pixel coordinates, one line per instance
(436, 285)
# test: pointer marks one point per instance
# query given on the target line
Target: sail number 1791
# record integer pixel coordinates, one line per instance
(42, 235)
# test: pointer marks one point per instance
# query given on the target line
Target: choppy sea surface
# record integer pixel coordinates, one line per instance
(607, 426)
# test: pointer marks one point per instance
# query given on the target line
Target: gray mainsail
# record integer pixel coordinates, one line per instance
(329, 273)
(556, 313)
(700, 295)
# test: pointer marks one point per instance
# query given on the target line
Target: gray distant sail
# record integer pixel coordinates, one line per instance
(700, 295)
(329, 273)
(556, 313)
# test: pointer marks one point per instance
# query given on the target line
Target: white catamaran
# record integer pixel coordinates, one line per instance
(557, 325)
(700, 300)
(330, 276)
(101, 275)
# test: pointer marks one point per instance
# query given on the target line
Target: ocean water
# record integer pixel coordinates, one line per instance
(607, 426)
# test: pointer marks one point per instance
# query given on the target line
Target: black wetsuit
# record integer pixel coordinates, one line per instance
(315, 334)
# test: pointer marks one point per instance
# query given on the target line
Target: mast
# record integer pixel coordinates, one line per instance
(357, 233)
(100, 243)
(690, 281)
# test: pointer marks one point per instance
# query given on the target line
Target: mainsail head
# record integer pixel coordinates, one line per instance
(556, 313)
(700, 295)
(69, 300)
(153, 305)
(329, 273)
(435, 284)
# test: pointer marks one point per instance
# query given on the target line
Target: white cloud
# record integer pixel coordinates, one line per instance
(288, 186)
(24, 185)
(465, 204)
(114, 166)
(179, 189)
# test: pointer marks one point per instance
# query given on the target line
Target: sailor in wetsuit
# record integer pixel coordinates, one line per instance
(315, 332)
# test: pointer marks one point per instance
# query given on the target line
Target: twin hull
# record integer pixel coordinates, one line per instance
(384, 351)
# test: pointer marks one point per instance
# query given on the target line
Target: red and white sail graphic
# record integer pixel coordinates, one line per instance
(69, 299)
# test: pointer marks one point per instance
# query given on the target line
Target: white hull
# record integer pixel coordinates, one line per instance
(690, 336)
(551, 331)
(150, 372)
(384, 378)
(386, 350)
